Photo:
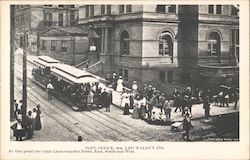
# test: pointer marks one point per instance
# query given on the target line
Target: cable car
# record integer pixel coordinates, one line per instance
(72, 85)
(41, 68)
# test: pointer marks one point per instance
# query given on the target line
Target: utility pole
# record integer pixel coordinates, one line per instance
(73, 43)
(12, 59)
(25, 74)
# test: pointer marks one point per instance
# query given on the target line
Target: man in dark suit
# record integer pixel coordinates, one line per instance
(108, 101)
(103, 97)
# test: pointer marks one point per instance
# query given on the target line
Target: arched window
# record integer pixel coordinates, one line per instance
(214, 44)
(124, 40)
(165, 44)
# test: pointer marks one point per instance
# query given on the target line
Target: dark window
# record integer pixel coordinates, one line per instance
(124, 40)
(92, 11)
(61, 6)
(47, 5)
(72, 19)
(121, 8)
(120, 72)
(210, 8)
(43, 45)
(22, 18)
(87, 11)
(64, 46)
(161, 8)
(108, 9)
(53, 46)
(17, 6)
(47, 19)
(71, 6)
(102, 9)
(165, 44)
(170, 76)
(234, 10)
(129, 8)
(162, 76)
(172, 8)
(125, 74)
(218, 9)
(21, 41)
(60, 21)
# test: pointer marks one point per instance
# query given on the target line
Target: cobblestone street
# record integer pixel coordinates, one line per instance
(61, 123)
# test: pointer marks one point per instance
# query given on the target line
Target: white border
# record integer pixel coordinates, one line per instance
(173, 150)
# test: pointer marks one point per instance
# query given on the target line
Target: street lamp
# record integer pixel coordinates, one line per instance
(92, 35)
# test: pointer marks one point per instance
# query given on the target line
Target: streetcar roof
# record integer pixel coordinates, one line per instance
(46, 61)
(73, 75)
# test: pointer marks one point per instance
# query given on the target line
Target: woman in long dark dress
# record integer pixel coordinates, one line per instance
(126, 108)
(29, 127)
(38, 124)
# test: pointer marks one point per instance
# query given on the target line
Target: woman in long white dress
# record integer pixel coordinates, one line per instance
(119, 87)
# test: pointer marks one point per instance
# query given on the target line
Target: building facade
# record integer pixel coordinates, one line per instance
(166, 43)
(209, 41)
(67, 44)
(34, 19)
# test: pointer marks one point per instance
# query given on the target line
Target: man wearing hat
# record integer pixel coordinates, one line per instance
(186, 126)
(150, 92)
(162, 100)
(109, 101)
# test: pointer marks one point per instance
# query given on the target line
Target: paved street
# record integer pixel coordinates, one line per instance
(61, 123)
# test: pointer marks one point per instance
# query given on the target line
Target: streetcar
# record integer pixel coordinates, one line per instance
(41, 69)
(72, 86)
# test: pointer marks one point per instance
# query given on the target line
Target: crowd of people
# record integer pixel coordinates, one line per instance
(26, 123)
(144, 102)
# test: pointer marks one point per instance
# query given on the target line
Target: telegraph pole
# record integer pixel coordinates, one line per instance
(24, 74)
(12, 59)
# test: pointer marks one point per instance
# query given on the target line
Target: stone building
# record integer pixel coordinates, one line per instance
(33, 19)
(67, 44)
(166, 43)
(209, 44)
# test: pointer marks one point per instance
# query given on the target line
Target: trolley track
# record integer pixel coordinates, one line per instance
(117, 129)
(66, 114)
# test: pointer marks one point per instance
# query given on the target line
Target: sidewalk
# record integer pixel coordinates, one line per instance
(197, 109)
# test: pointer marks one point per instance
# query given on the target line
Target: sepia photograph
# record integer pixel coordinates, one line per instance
(98, 72)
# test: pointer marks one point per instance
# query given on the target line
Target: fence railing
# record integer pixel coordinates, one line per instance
(82, 64)
(95, 68)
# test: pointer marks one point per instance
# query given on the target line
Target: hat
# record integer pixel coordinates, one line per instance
(120, 77)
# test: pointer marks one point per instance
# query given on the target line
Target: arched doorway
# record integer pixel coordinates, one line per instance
(214, 45)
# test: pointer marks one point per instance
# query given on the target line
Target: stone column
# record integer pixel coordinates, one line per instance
(106, 42)
(175, 51)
